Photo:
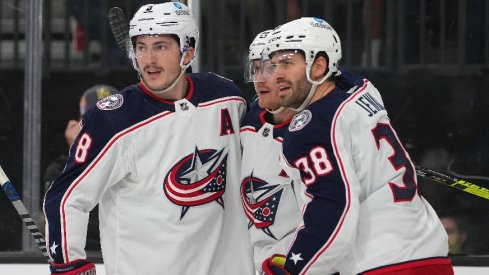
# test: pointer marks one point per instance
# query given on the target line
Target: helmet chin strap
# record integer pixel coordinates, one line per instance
(313, 89)
(308, 98)
(276, 111)
(172, 85)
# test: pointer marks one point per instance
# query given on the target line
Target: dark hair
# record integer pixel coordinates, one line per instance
(191, 41)
(301, 52)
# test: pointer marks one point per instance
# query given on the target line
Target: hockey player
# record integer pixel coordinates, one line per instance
(162, 160)
(362, 213)
(267, 193)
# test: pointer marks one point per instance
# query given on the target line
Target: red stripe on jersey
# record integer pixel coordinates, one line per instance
(279, 139)
(347, 185)
(431, 266)
(248, 129)
(93, 164)
(231, 98)
(280, 125)
(151, 94)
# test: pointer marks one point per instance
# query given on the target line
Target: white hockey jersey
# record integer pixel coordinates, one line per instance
(267, 193)
(361, 207)
(166, 178)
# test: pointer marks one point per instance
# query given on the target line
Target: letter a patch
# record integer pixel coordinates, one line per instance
(226, 123)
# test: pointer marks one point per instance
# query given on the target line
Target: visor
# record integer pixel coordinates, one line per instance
(283, 61)
(253, 70)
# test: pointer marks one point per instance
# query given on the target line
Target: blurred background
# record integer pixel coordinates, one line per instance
(428, 58)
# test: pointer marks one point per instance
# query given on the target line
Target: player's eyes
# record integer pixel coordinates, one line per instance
(141, 49)
(160, 48)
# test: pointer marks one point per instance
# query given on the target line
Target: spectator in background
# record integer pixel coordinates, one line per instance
(88, 100)
(457, 233)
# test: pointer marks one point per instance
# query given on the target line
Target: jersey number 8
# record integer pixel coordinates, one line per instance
(84, 144)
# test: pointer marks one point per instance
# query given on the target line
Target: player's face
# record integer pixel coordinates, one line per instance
(158, 58)
(290, 75)
(265, 87)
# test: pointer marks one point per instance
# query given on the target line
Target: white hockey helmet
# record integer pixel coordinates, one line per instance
(255, 53)
(258, 44)
(166, 18)
(311, 35)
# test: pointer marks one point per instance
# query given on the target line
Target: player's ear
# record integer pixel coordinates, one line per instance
(319, 68)
(189, 55)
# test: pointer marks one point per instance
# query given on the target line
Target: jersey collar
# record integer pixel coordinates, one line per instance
(189, 95)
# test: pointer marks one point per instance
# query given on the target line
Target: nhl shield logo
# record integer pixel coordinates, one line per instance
(111, 102)
(300, 120)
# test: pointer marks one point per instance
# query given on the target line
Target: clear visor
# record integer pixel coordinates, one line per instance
(259, 70)
(283, 61)
(253, 71)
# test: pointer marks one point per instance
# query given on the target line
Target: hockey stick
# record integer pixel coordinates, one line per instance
(453, 182)
(22, 211)
(119, 27)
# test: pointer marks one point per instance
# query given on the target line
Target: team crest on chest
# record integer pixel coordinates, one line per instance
(111, 102)
(197, 179)
(260, 201)
(300, 120)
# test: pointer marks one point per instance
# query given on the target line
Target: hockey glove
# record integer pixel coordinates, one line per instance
(77, 267)
(274, 265)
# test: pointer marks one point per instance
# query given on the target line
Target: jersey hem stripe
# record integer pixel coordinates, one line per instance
(408, 265)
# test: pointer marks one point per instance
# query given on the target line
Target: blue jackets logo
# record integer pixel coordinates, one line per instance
(111, 102)
(261, 210)
(197, 179)
(300, 120)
